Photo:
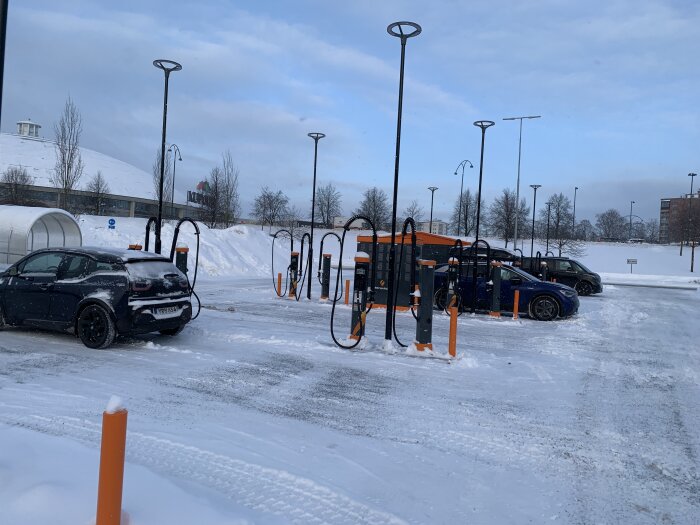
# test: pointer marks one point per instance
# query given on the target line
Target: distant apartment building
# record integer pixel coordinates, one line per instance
(438, 227)
(674, 217)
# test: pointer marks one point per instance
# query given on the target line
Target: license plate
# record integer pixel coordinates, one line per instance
(167, 310)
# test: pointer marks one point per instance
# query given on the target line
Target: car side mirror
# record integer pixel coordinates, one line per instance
(516, 280)
(12, 272)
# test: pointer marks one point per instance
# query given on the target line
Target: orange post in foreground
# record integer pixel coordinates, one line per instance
(279, 284)
(516, 303)
(109, 490)
(453, 332)
(347, 291)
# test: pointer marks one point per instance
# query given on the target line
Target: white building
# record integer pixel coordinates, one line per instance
(439, 227)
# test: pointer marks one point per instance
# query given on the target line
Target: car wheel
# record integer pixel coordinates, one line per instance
(95, 327)
(544, 308)
(584, 288)
(172, 331)
(440, 298)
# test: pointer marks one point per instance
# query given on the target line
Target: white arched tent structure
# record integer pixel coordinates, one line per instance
(24, 229)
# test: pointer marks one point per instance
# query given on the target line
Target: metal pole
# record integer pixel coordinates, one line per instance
(167, 66)
(432, 195)
(461, 187)
(630, 235)
(549, 207)
(392, 249)
(573, 225)
(174, 147)
(4, 6)
(534, 206)
(517, 186)
(310, 263)
(692, 178)
(483, 124)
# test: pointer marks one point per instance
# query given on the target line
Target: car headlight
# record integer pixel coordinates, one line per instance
(569, 293)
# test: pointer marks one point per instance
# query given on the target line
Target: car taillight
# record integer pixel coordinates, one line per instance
(140, 286)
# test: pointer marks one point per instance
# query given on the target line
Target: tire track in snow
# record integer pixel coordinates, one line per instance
(263, 489)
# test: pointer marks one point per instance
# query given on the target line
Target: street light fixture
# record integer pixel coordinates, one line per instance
(630, 235)
(316, 137)
(483, 125)
(432, 195)
(517, 186)
(173, 148)
(168, 66)
(397, 29)
(534, 205)
(573, 225)
(461, 187)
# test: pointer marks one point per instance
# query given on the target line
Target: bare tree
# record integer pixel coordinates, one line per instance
(414, 210)
(375, 206)
(269, 206)
(585, 230)
(328, 204)
(651, 231)
(98, 185)
(291, 218)
(69, 164)
(16, 180)
(167, 178)
(559, 217)
(230, 199)
(463, 217)
(610, 224)
(212, 206)
(502, 213)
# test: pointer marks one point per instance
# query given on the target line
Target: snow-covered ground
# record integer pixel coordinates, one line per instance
(253, 415)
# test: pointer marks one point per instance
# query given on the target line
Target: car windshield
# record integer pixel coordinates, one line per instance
(525, 276)
(581, 266)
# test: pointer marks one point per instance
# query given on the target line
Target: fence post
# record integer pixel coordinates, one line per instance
(453, 332)
(516, 304)
(109, 490)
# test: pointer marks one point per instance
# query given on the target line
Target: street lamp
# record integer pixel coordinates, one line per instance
(168, 66)
(3, 31)
(549, 207)
(316, 137)
(534, 205)
(630, 236)
(461, 187)
(692, 178)
(173, 148)
(397, 29)
(517, 186)
(483, 124)
(573, 226)
(432, 195)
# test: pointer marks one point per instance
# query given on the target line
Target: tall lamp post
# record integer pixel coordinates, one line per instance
(4, 5)
(173, 148)
(461, 187)
(573, 222)
(534, 205)
(630, 235)
(432, 195)
(168, 66)
(549, 208)
(397, 29)
(483, 125)
(517, 186)
(692, 178)
(316, 137)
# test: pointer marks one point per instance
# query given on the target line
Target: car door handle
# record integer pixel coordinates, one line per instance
(45, 286)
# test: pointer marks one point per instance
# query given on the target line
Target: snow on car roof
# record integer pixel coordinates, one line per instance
(115, 254)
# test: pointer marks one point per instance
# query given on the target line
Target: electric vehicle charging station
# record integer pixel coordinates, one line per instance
(293, 274)
(326, 276)
(424, 321)
(181, 251)
(494, 289)
(359, 296)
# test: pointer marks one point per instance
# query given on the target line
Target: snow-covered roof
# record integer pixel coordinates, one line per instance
(38, 156)
(24, 229)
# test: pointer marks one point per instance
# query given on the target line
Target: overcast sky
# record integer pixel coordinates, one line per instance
(616, 83)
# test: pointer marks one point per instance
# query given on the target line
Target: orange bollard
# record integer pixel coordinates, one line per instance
(109, 490)
(453, 332)
(516, 303)
(347, 291)
(279, 284)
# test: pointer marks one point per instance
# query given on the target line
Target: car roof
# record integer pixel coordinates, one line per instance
(105, 254)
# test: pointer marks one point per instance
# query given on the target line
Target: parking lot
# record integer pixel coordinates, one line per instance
(587, 420)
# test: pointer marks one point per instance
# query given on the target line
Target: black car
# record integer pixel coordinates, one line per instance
(564, 270)
(96, 293)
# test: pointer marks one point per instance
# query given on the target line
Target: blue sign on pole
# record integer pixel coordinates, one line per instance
(111, 224)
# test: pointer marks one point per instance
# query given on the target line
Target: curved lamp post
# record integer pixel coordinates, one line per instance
(534, 206)
(168, 66)
(432, 196)
(316, 137)
(461, 187)
(517, 186)
(404, 31)
(173, 148)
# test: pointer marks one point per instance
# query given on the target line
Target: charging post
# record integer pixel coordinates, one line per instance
(424, 324)
(325, 276)
(181, 252)
(359, 296)
(293, 274)
(495, 285)
(452, 298)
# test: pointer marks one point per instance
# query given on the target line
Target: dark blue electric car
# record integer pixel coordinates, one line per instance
(544, 301)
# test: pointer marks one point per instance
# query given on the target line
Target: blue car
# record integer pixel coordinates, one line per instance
(544, 301)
